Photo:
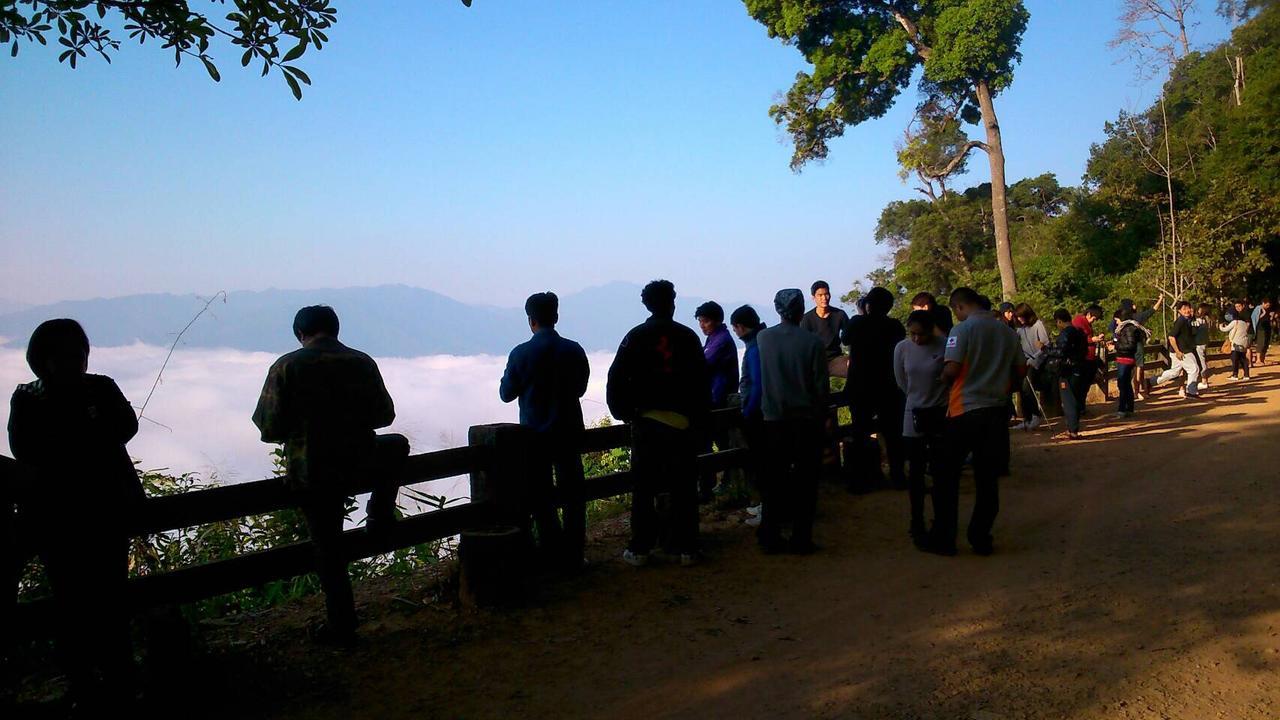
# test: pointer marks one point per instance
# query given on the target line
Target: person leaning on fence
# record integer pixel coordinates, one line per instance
(917, 368)
(549, 374)
(69, 428)
(659, 385)
(323, 402)
(983, 365)
(793, 368)
(1182, 353)
(722, 365)
(874, 398)
(747, 326)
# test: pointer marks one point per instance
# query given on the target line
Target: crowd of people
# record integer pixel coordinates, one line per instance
(925, 399)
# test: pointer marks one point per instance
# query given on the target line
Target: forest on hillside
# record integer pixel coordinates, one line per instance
(1181, 200)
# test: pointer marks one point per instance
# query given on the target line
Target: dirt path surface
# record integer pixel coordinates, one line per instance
(1135, 577)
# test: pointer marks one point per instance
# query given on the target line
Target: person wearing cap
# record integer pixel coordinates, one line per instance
(794, 380)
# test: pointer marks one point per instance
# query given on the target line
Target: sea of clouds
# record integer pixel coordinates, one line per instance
(198, 420)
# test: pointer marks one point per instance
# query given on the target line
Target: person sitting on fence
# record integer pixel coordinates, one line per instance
(722, 365)
(874, 397)
(793, 368)
(549, 375)
(1182, 350)
(70, 427)
(323, 402)
(659, 385)
(917, 368)
(1237, 329)
(747, 326)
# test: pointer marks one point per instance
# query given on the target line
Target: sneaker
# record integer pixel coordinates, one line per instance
(689, 559)
(754, 510)
(635, 559)
(1020, 426)
(1122, 415)
(1034, 423)
(752, 522)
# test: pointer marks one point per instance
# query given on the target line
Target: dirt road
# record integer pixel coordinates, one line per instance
(1135, 577)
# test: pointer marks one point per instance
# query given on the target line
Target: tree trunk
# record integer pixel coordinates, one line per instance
(999, 206)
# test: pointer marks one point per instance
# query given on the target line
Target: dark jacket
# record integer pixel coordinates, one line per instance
(74, 438)
(659, 366)
(323, 402)
(722, 363)
(549, 375)
(871, 340)
(1070, 351)
(1130, 337)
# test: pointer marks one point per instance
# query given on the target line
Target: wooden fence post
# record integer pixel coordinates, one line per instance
(494, 560)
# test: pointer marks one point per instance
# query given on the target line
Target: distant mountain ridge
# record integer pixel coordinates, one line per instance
(385, 321)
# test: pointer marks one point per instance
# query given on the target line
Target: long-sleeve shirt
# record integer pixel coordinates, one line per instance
(74, 436)
(549, 375)
(1033, 338)
(1237, 331)
(871, 340)
(918, 372)
(793, 371)
(324, 402)
(722, 362)
(750, 387)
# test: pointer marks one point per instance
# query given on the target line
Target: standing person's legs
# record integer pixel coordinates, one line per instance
(1139, 373)
(864, 473)
(889, 427)
(1069, 393)
(989, 436)
(324, 513)
(1239, 363)
(772, 480)
(541, 494)
(1124, 383)
(682, 448)
(1202, 355)
(806, 438)
(389, 454)
(946, 487)
(917, 458)
(646, 467)
(571, 487)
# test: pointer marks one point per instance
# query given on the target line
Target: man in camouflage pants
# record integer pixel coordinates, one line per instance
(324, 402)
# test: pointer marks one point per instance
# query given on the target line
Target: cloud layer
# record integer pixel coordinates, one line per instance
(200, 412)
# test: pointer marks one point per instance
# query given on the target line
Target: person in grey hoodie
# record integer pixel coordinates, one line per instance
(917, 368)
(794, 380)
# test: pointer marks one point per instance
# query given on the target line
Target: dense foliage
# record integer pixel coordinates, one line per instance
(1209, 142)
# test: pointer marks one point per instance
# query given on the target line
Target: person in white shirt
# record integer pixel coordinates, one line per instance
(1033, 339)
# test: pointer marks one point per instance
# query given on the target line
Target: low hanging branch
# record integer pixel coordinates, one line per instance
(220, 294)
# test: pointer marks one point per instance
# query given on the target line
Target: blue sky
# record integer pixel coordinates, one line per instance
(486, 153)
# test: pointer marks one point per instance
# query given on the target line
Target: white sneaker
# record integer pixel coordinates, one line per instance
(1020, 426)
(688, 560)
(752, 521)
(1034, 423)
(753, 510)
(635, 559)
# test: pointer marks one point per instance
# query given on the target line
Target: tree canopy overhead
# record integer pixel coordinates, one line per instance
(864, 54)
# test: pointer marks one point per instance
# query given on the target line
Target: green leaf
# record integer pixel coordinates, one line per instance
(298, 73)
(245, 58)
(213, 71)
(293, 85)
(13, 51)
(296, 52)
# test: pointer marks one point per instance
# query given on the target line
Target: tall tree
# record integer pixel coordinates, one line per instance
(1155, 32)
(863, 54)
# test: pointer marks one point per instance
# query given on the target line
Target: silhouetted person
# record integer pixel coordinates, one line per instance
(983, 365)
(70, 428)
(549, 374)
(793, 368)
(746, 324)
(658, 385)
(324, 402)
(722, 364)
(874, 397)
